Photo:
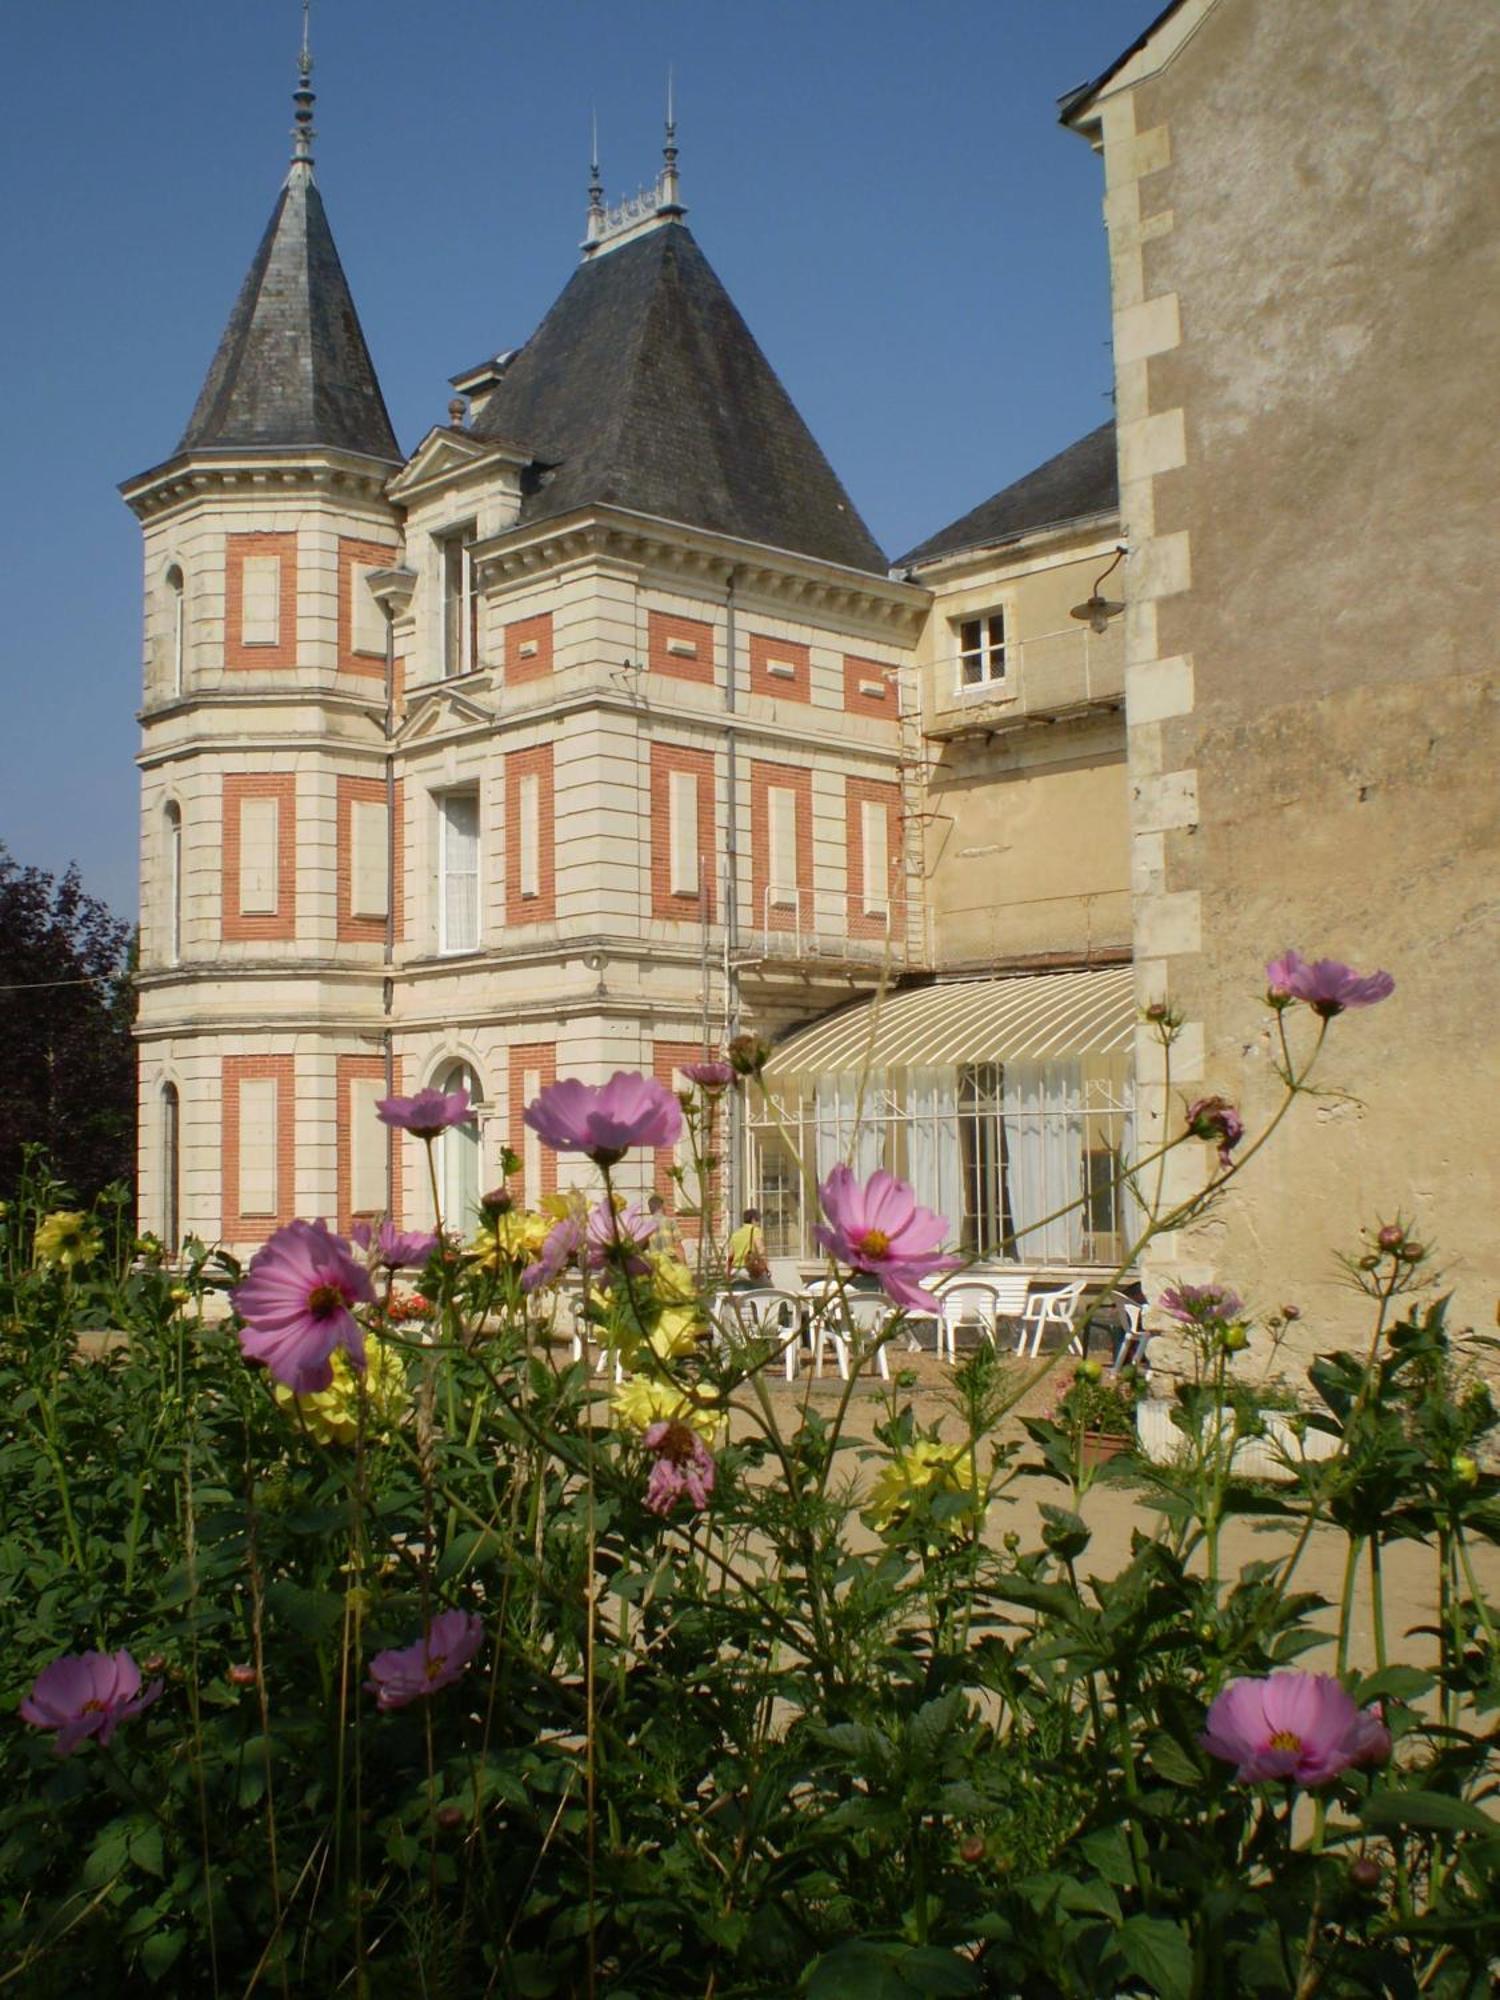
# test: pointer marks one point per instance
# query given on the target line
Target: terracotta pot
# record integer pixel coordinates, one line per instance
(1101, 1446)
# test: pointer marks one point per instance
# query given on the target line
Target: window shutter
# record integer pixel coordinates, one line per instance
(260, 831)
(682, 816)
(260, 601)
(367, 1147)
(368, 618)
(530, 817)
(781, 812)
(257, 1160)
(875, 855)
(369, 858)
(460, 866)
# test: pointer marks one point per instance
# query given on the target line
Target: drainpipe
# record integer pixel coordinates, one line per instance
(736, 1135)
(392, 590)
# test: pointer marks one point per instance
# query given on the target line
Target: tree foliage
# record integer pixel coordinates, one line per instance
(68, 1080)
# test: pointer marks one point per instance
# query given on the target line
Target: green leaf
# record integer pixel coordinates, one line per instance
(1169, 1760)
(161, 1952)
(1108, 1851)
(1399, 1683)
(110, 1853)
(1159, 1953)
(865, 1969)
(145, 1850)
(1439, 1811)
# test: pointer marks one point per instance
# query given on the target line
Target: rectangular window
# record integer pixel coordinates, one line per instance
(257, 1146)
(458, 871)
(369, 858)
(875, 857)
(260, 601)
(981, 649)
(530, 834)
(367, 1146)
(260, 848)
(460, 604)
(368, 618)
(781, 806)
(682, 832)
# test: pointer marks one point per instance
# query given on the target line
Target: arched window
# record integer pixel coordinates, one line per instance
(172, 885)
(458, 1156)
(171, 1153)
(177, 629)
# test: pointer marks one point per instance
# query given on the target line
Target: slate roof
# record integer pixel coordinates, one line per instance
(292, 366)
(1080, 481)
(643, 388)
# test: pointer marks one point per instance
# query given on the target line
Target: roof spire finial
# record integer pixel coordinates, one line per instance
(595, 225)
(668, 195)
(302, 99)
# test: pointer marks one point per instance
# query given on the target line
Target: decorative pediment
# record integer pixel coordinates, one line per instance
(438, 711)
(447, 454)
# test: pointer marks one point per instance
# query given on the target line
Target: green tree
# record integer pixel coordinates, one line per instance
(67, 1082)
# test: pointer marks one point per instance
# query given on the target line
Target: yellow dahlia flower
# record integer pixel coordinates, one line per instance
(512, 1238)
(331, 1415)
(925, 1467)
(65, 1239)
(641, 1402)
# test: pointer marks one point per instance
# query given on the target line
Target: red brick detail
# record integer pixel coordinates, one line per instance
(542, 1057)
(663, 632)
(856, 792)
(234, 1070)
(859, 676)
(238, 928)
(533, 666)
(347, 1069)
(352, 554)
(784, 777)
(236, 652)
(368, 930)
(666, 1059)
(785, 653)
(667, 758)
(542, 907)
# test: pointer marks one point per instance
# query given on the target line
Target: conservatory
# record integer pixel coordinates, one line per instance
(1007, 1103)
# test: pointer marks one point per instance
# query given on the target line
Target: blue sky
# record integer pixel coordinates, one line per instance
(882, 185)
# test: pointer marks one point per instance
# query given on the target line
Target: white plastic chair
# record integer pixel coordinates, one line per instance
(965, 1302)
(768, 1312)
(1057, 1306)
(1131, 1346)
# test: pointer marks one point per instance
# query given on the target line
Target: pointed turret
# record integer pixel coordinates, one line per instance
(292, 367)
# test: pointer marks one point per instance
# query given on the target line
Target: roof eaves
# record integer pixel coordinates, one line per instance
(1032, 532)
(1075, 100)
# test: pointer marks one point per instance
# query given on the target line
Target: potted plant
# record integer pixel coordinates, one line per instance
(1097, 1407)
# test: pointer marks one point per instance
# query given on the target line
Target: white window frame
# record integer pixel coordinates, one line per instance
(452, 937)
(976, 641)
(460, 649)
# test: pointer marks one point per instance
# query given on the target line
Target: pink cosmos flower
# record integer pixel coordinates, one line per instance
(879, 1229)
(616, 1236)
(428, 1113)
(1328, 986)
(710, 1077)
(295, 1304)
(87, 1694)
(1216, 1118)
(1202, 1305)
(405, 1674)
(396, 1249)
(1305, 1727)
(564, 1241)
(684, 1467)
(605, 1120)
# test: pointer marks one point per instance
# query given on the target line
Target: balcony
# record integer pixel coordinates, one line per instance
(1051, 675)
(823, 926)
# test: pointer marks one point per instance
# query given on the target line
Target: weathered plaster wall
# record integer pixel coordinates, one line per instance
(1302, 203)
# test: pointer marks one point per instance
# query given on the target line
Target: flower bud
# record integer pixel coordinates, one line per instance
(179, 1295)
(748, 1055)
(1235, 1338)
(153, 1663)
(1466, 1469)
(971, 1847)
(1290, 1313)
(1089, 1371)
(1364, 1872)
(449, 1818)
(496, 1203)
(1391, 1236)
(1369, 1263)
(1412, 1253)
(1012, 1542)
(242, 1676)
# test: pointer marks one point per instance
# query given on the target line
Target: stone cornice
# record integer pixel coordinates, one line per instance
(237, 474)
(801, 586)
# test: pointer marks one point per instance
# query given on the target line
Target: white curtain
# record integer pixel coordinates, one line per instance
(839, 1101)
(934, 1160)
(1043, 1108)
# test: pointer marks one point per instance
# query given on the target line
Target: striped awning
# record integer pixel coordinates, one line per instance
(1028, 1019)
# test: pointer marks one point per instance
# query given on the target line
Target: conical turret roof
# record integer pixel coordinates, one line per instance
(292, 367)
(643, 388)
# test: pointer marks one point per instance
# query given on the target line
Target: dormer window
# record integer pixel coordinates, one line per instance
(981, 649)
(460, 602)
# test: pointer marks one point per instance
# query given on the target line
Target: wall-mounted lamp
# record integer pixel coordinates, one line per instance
(1096, 610)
